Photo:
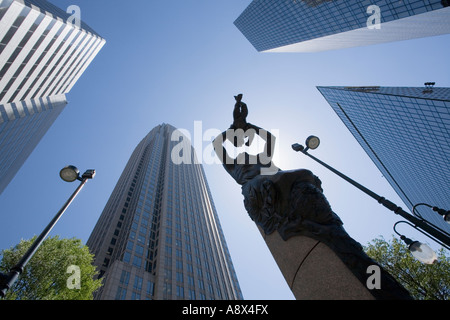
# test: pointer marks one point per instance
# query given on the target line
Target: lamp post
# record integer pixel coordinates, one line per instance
(419, 250)
(68, 174)
(432, 231)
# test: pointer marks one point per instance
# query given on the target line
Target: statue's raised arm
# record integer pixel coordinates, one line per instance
(245, 166)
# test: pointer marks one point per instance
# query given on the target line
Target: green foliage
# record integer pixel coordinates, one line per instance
(46, 276)
(423, 281)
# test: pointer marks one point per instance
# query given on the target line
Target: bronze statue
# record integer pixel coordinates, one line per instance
(240, 114)
(291, 203)
(271, 195)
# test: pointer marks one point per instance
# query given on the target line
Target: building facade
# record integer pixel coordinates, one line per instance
(406, 133)
(43, 52)
(159, 236)
(318, 25)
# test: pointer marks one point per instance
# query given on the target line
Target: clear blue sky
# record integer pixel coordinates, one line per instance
(183, 61)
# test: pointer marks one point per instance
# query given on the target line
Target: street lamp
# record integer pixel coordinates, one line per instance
(435, 233)
(444, 213)
(419, 250)
(68, 174)
(312, 143)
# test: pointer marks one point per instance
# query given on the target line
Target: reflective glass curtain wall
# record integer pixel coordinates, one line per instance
(159, 236)
(41, 58)
(317, 25)
(406, 133)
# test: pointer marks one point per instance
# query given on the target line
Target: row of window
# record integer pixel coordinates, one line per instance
(77, 51)
(269, 24)
(187, 260)
(136, 290)
(406, 137)
(15, 135)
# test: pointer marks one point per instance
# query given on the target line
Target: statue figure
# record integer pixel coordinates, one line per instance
(291, 203)
(240, 114)
(271, 196)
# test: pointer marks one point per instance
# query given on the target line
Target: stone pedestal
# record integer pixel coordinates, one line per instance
(313, 271)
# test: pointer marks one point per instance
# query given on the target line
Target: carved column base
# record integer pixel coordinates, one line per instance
(313, 271)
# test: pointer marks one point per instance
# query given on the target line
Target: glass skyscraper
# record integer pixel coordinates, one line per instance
(42, 55)
(159, 235)
(318, 25)
(406, 133)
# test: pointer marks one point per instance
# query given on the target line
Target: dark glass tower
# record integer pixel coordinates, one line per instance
(406, 133)
(317, 25)
(42, 55)
(159, 236)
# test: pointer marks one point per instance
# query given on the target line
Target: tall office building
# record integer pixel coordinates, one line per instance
(318, 25)
(43, 52)
(159, 235)
(406, 133)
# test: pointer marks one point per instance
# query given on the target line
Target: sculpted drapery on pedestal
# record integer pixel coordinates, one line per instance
(291, 203)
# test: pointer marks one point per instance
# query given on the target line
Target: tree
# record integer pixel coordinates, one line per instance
(61, 269)
(423, 281)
